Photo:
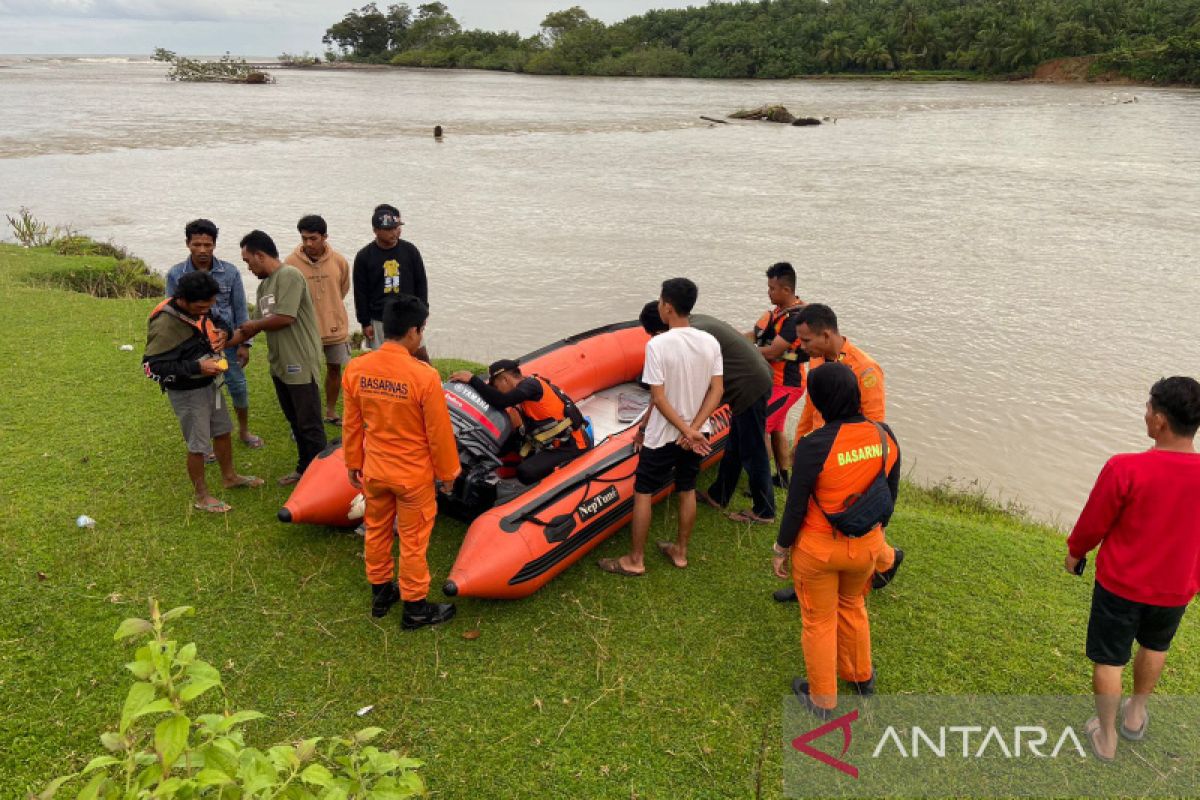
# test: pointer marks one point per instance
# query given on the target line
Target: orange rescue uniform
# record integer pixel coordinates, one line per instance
(874, 408)
(396, 429)
(870, 385)
(829, 569)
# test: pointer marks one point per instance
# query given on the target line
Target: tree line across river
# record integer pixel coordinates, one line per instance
(1147, 40)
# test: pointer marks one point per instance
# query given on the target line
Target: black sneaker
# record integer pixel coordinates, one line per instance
(420, 613)
(383, 597)
(882, 579)
(864, 688)
(785, 595)
(800, 689)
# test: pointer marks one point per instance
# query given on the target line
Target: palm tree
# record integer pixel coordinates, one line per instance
(932, 43)
(1027, 45)
(989, 49)
(873, 54)
(836, 51)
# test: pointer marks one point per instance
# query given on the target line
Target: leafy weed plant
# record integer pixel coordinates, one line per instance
(163, 748)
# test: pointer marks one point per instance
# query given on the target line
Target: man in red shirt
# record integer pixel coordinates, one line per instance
(1144, 515)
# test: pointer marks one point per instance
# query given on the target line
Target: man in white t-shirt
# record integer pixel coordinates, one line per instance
(683, 369)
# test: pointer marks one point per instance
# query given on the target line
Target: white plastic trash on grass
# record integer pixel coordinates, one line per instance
(84, 521)
(126, 348)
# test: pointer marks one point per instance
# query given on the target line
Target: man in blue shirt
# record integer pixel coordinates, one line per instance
(230, 308)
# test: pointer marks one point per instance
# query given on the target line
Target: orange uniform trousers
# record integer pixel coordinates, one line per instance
(831, 575)
(405, 512)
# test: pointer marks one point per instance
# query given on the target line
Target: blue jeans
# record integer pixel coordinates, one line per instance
(235, 380)
(746, 448)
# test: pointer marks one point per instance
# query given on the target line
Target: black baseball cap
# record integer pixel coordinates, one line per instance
(386, 220)
(503, 365)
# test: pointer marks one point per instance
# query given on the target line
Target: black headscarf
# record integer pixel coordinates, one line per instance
(834, 391)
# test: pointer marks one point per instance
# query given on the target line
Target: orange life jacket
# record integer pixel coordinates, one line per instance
(203, 325)
(551, 421)
(769, 326)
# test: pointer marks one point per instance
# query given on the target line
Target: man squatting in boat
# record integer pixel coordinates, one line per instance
(551, 426)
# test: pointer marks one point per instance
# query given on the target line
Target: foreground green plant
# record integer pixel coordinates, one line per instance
(29, 230)
(159, 750)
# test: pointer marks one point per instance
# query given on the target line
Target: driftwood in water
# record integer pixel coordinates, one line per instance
(714, 119)
(773, 114)
(226, 69)
(769, 113)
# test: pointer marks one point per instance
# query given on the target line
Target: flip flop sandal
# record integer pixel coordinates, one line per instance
(213, 507)
(246, 482)
(289, 479)
(1091, 735)
(333, 421)
(253, 442)
(613, 565)
(749, 517)
(1129, 734)
(666, 548)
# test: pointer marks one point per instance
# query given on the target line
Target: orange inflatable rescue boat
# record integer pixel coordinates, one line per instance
(521, 537)
(323, 495)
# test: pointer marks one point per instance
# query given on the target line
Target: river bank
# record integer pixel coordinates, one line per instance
(1066, 70)
(668, 686)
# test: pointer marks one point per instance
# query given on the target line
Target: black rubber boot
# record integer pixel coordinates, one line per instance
(383, 597)
(882, 579)
(800, 689)
(864, 688)
(785, 595)
(419, 613)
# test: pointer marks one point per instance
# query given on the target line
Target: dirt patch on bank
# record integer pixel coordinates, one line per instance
(1076, 69)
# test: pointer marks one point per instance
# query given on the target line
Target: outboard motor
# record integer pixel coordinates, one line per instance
(480, 431)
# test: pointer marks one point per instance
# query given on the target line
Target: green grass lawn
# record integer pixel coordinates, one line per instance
(668, 686)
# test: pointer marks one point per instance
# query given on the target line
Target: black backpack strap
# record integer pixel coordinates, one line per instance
(883, 437)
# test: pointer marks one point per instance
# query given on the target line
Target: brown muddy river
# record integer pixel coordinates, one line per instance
(1020, 258)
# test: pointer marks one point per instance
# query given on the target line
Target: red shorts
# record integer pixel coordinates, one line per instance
(781, 402)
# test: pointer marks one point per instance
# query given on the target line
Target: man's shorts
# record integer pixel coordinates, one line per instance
(658, 465)
(1116, 622)
(337, 353)
(781, 402)
(377, 342)
(202, 415)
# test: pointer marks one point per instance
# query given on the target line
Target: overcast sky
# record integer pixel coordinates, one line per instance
(253, 28)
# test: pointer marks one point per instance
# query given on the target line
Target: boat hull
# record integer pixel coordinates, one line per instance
(513, 550)
(323, 494)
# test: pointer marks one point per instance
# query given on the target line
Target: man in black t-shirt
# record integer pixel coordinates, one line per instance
(384, 269)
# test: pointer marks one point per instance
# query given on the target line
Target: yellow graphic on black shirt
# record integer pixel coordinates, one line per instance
(391, 276)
